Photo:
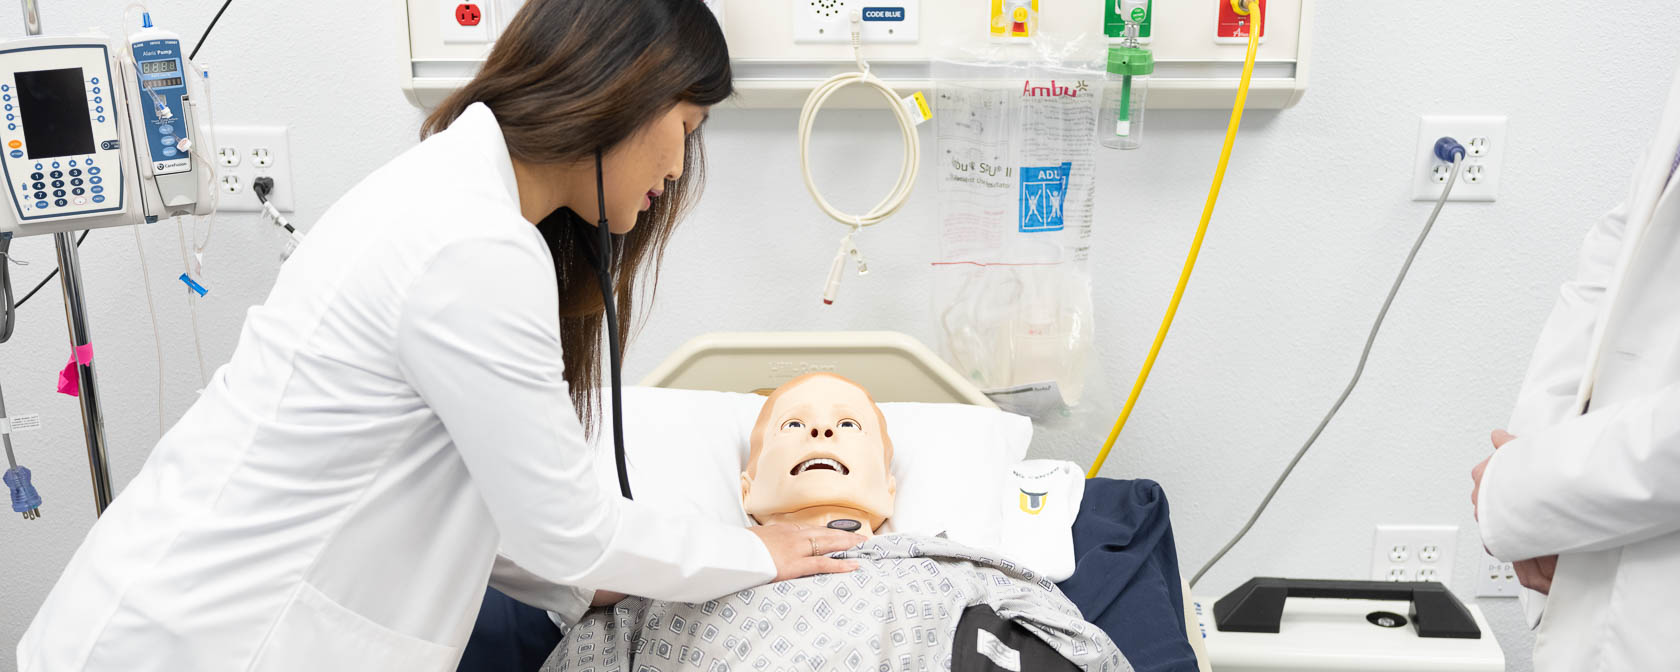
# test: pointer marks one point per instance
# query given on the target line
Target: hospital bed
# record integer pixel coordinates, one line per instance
(893, 366)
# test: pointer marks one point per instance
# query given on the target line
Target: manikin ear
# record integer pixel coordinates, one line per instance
(892, 486)
(746, 486)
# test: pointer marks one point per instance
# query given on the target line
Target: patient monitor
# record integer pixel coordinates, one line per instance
(820, 456)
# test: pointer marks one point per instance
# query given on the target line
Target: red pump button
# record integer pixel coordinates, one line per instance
(468, 14)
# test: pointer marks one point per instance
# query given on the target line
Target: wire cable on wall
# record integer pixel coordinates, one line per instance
(50, 276)
(207, 30)
(1358, 372)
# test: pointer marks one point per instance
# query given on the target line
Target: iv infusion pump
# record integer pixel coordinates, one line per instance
(95, 134)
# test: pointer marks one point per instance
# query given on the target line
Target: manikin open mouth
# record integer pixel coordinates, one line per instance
(816, 463)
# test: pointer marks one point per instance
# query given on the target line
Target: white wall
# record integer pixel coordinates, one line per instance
(1315, 218)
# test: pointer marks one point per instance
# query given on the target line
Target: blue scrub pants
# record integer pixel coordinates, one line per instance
(510, 636)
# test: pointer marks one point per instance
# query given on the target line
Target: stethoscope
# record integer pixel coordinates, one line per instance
(603, 255)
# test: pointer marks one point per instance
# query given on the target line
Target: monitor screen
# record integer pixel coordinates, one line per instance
(54, 107)
(157, 67)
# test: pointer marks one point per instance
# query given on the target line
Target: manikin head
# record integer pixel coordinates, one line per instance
(820, 443)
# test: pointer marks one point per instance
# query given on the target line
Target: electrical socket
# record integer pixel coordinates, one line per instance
(247, 153)
(1496, 578)
(1413, 553)
(1484, 147)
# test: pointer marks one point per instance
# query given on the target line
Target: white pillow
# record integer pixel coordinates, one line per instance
(686, 450)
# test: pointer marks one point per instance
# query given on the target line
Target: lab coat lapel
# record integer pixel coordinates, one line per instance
(1654, 189)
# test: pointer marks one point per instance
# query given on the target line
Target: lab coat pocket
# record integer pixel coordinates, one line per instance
(317, 633)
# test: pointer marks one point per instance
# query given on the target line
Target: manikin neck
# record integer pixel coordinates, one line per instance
(821, 516)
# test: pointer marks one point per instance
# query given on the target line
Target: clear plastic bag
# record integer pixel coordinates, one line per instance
(1012, 284)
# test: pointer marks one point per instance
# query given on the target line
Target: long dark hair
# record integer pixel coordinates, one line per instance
(570, 77)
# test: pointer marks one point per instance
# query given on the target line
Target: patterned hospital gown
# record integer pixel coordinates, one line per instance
(897, 613)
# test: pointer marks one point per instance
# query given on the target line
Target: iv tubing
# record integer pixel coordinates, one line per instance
(1196, 244)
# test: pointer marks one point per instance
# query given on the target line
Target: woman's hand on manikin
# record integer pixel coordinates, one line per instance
(802, 550)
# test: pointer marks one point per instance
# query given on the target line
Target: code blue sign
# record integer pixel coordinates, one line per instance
(883, 14)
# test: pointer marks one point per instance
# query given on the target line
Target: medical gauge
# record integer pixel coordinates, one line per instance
(96, 133)
(98, 136)
(166, 119)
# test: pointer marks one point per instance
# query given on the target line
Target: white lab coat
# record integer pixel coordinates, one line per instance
(392, 415)
(1598, 483)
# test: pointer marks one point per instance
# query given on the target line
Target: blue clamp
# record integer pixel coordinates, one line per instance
(194, 286)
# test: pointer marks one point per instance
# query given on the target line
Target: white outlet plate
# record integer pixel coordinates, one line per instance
(817, 21)
(1484, 139)
(1414, 553)
(1496, 578)
(245, 140)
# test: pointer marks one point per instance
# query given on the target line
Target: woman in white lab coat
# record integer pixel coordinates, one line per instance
(1586, 496)
(408, 399)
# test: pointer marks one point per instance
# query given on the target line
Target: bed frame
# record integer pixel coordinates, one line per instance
(891, 365)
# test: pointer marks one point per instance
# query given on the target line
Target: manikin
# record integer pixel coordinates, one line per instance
(820, 457)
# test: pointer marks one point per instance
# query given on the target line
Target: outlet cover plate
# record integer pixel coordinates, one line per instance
(1496, 578)
(245, 140)
(1491, 129)
(1411, 549)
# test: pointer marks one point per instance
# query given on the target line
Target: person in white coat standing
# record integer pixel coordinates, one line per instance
(1583, 492)
(409, 399)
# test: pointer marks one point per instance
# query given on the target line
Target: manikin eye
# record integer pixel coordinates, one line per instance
(849, 424)
(793, 424)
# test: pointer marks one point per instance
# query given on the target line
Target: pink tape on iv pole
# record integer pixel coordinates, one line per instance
(69, 381)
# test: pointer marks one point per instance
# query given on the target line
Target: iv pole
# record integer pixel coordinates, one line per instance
(75, 315)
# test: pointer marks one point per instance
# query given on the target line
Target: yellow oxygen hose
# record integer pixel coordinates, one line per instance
(1201, 230)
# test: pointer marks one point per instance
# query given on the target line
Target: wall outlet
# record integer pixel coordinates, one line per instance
(465, 22)
(1413, 553)
(1496, 578)
(1484, 144)
(246, 153)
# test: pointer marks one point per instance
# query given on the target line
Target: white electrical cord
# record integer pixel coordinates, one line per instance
(906, 173)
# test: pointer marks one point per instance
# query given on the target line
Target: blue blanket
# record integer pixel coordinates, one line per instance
(1125, 578)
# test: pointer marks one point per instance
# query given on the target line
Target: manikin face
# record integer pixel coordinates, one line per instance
(822, 443)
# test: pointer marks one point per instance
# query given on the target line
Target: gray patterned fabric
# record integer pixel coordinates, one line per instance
(897, 613)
